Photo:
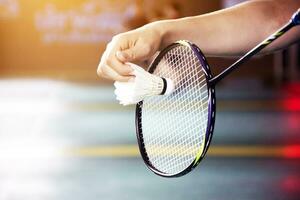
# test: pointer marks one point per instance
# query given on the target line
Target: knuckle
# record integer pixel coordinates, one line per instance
(108, 46)
(99, 72)
(116, 37)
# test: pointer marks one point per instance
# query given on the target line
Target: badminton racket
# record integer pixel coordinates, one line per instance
(174, 131)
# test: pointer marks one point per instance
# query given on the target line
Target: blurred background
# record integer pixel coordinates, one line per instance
(63, 135)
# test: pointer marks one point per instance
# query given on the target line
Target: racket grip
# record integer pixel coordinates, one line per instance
(296, 17)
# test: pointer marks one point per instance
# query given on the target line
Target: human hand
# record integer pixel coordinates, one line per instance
(133, 46)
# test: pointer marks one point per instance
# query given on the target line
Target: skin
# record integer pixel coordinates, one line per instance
(227, 32)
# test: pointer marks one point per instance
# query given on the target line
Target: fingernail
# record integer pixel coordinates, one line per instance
(131, 73)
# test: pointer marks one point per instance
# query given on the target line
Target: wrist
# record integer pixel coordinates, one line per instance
(164, 30)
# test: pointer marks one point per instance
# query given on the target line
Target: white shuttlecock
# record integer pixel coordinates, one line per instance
(141, 86)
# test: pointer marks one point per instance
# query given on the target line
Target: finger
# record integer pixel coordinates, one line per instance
(109, 58)
(109, 73)
(117, 66)
(102, 65)
(121, 68)
(136, 53)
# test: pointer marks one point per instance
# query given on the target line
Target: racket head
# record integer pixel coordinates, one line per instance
(154, 155)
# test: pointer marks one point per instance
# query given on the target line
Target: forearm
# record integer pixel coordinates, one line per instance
(235, 30)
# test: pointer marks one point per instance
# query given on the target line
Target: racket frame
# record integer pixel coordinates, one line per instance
(211, 111)
(211, 82)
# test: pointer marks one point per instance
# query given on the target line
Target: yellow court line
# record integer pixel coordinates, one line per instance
(105, 151)
(216, 151)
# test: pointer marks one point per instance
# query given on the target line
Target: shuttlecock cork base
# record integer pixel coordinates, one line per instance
(142, 85)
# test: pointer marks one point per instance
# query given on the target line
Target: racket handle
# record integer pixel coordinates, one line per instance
(296, 17)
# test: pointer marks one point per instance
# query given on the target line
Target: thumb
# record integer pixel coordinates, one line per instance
(126, 55)
(132, 54)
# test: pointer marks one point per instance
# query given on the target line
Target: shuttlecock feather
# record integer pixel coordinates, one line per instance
(142, 85)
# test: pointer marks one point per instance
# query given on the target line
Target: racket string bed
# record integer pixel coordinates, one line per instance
(174, 126)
